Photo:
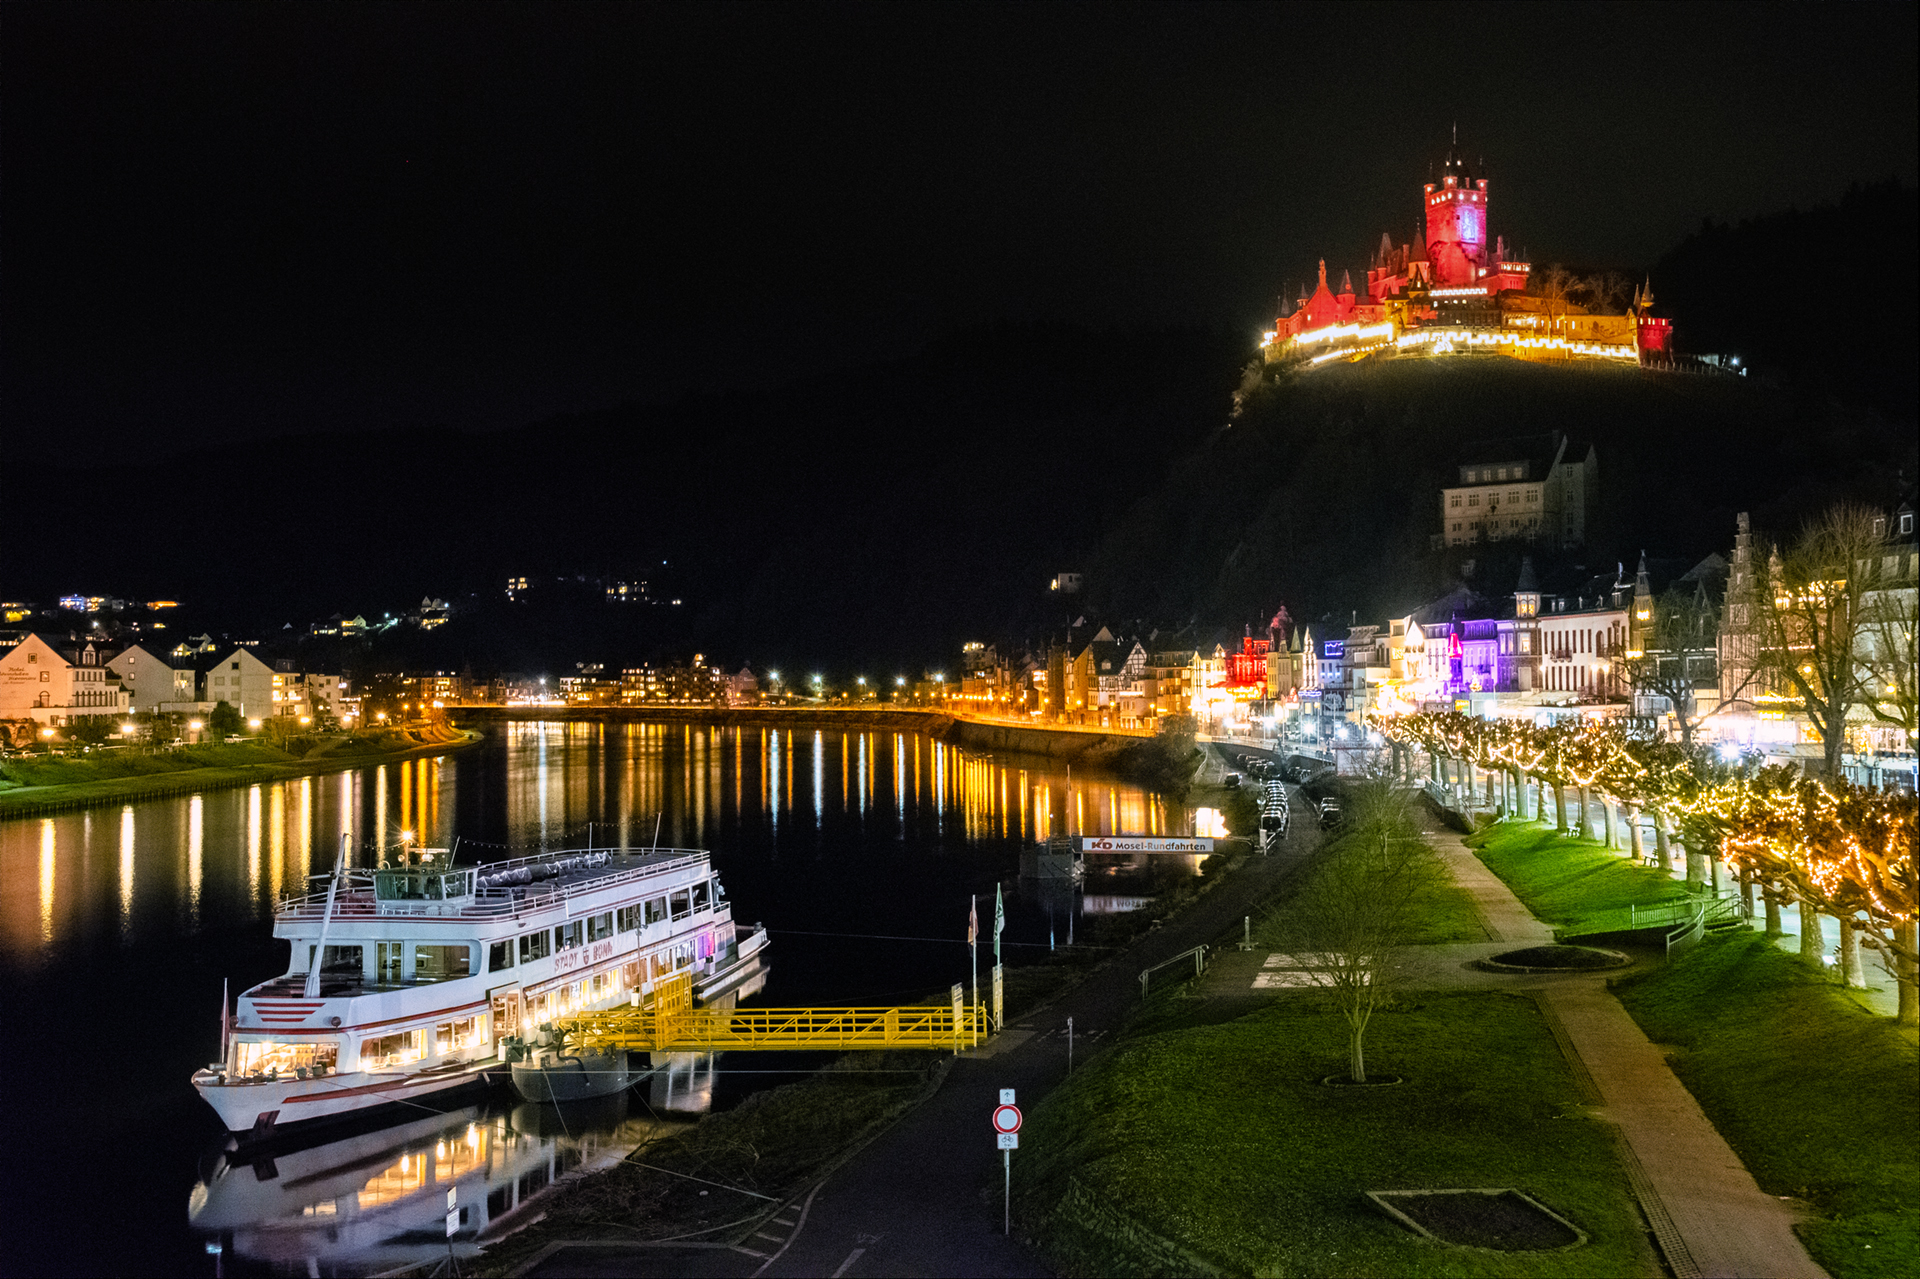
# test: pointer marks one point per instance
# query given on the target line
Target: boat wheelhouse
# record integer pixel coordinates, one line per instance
(414, 978)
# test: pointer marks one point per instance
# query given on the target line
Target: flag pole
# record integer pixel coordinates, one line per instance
(973, 951)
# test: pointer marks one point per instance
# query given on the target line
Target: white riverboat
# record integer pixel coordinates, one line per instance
(419, 977)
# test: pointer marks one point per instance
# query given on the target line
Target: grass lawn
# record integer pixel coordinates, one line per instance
(1563, 880)
(1820, 1097)
(1446, 911)
(1215, 1147)
(29, 783)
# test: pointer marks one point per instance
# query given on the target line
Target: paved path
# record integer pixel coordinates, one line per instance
(924, 1198)
(1710, 1216)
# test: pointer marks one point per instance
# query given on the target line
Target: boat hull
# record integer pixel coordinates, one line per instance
(272, 1105)
(572, 1077)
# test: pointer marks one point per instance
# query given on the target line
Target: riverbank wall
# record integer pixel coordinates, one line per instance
(44, 801)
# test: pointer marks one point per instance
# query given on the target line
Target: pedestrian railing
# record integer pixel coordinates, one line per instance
(1198, 955)
(1724, 909)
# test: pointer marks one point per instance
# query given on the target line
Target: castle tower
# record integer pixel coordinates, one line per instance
(1456, 226)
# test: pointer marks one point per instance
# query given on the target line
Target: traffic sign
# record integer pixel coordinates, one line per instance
(1006, 1096)
(1009, 1141)
(1006, 1119)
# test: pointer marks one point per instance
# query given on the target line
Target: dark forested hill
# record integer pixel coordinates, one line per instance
(1324, 494)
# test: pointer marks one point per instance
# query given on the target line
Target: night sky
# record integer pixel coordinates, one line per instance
(219, 222)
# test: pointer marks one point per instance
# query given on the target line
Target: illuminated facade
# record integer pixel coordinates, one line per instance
(1456, 289)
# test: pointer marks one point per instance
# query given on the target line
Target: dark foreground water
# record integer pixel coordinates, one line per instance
(119, 925)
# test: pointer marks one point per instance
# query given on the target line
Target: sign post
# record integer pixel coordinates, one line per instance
(1006, 1131)
(959, 993)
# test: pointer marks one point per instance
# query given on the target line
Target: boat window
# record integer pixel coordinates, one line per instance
(397, 1049)
(568, 934)
(535, 946)
(441, 963)
(451, 1036)
(700, 898)
(499, 955)
(629, 919)
(682, 903)
(599, 926)
(656, 909)
(284, 1059)
(342, 959)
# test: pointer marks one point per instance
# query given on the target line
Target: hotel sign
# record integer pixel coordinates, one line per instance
(1143, 844)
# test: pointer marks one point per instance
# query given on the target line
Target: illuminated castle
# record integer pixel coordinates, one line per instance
(1447, 291)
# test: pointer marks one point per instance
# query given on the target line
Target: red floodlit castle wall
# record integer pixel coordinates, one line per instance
(1457, 230)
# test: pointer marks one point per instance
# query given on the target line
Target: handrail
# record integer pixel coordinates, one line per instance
(1199, 954)
(358, 900)
(1690, 932)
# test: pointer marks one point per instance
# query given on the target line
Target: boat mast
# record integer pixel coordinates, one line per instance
(312, 990)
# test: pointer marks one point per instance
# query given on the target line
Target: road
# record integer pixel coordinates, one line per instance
(919, 1200)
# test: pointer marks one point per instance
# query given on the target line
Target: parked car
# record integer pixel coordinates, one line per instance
(1329, 812)
(1231, 779)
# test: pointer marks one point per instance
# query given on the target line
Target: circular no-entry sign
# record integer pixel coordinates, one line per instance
(1006, 1119)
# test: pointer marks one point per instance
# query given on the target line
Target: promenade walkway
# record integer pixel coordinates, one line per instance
(1709, 1215)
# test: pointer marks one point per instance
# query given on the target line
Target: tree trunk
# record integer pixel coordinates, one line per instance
(1540, 800)
(1696, 868)
(1906, 973)
(1559, 806)
(1851, 969)
(1433, 765)
(1636, 840)
(1746, 894)
(1581, 829)
(1356, 1052)
(1812, 948)
(1774, 927)
(1606, 815)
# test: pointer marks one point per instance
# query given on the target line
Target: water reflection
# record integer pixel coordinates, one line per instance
(377, 1201)
(219, 858)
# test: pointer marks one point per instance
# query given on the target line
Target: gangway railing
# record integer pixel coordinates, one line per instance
(666, 1021)
(777, 1029)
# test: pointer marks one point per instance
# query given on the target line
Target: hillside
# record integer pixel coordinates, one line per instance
(1324, 493)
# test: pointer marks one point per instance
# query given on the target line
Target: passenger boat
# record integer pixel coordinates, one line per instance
(417, 978)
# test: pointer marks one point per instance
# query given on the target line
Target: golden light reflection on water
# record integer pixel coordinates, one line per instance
(126, 869)
(187, 862)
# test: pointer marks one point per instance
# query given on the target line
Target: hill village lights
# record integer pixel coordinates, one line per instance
(1448, 293)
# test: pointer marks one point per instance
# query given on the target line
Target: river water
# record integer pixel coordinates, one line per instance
(119, 926)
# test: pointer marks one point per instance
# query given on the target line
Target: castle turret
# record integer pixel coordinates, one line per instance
(1456, 226)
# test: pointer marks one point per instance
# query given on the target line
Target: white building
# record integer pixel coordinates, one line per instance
(1533, 489)
(39, 682)
(245, 683)
(153, 683)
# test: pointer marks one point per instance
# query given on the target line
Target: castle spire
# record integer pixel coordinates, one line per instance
(1323, 273)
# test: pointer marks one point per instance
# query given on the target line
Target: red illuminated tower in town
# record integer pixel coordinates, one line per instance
(1457, 226)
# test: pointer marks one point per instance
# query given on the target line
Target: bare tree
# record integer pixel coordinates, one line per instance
(1681, 652)
(1556, 286)
(1812, 614)
(1350, 925)
(1606, 290)
(1887, 654)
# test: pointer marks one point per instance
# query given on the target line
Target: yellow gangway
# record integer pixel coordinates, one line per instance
(666, 1021)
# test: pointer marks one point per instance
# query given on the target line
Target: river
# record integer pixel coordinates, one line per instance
(119, 926)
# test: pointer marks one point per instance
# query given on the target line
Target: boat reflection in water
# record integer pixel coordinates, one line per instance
(376, 1201)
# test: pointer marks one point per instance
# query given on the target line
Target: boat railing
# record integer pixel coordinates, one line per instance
(359, 902)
